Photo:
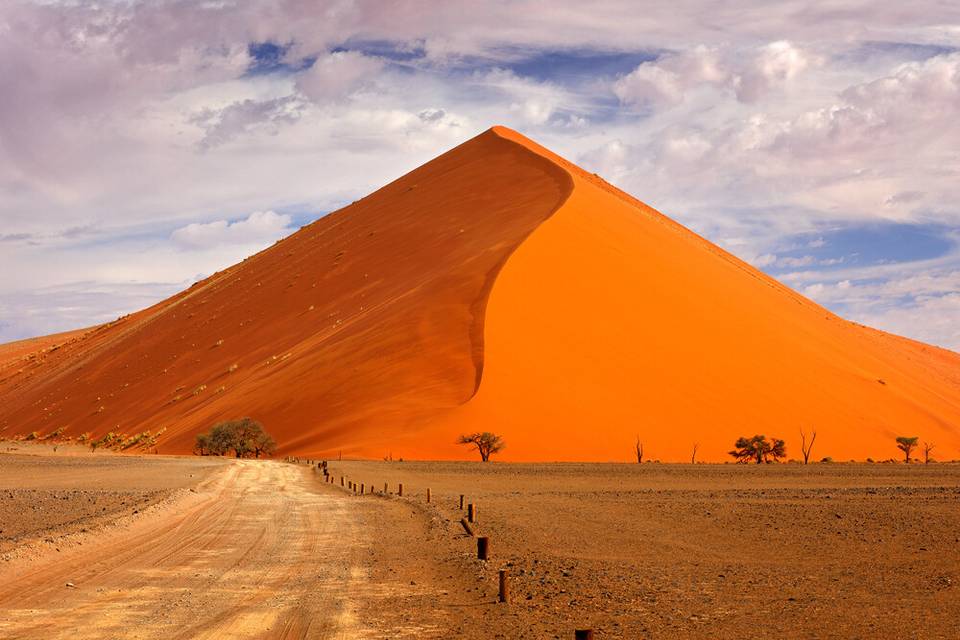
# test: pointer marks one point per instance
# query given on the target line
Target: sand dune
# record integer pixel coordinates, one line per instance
(497, 287)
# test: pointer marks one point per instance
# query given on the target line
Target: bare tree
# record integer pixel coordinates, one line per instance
(693, 456)
(639, 448)
(906, 445)
(807, 448)
(485, 443)
(927, 448)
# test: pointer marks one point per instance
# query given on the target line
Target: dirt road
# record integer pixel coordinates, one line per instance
(261, 549)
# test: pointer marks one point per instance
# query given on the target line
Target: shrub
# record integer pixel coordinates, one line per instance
(758, 449)
(244, 437)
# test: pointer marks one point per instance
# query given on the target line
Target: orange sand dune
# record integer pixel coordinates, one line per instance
(499, 288)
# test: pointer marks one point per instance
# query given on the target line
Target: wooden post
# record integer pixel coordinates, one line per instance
(400, 489)
(428, 495)
(583, 634)
(341, 481)
(386, 489)
(483, 547)
(471, 512)
(361, 488)
(467, 527)
(504, 586)
(461, 502)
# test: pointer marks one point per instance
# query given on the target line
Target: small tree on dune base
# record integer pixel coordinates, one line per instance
(485, 443)
(907, 445)
(758, 449)
(244, 437)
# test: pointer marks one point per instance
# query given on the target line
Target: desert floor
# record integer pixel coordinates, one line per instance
(211, 548)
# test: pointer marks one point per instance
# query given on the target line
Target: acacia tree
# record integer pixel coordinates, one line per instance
(807, 448)
(486, 443)
(202, 446)
(906, 445)
(244, 437)
(758, 449)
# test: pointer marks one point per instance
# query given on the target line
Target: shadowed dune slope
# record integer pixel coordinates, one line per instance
(345, 335)
(499, 288)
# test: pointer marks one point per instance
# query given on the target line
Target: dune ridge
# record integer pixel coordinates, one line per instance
(498, 287)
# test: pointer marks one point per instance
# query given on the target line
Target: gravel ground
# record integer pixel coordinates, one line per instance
(46, 495)
(698, 551)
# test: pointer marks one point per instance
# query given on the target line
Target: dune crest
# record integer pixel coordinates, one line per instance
(498, 287)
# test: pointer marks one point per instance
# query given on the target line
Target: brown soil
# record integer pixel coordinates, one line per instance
(46, 503)
(257, 549)
(705, 551)
(268, 550)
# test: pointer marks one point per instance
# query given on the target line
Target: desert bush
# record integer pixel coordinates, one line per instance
(485, 443)
(758, 449)
(244, 437)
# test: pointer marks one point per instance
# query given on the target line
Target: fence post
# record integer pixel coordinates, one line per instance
(483, 547)
(400, 489)
(461, 502)
(471, 512)
(504, 586)
(428, 495)
(583, 634)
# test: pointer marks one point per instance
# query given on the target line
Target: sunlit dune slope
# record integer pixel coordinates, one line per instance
(611, 322)
(496, 288)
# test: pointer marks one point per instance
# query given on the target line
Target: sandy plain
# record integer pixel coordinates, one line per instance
(267, 549)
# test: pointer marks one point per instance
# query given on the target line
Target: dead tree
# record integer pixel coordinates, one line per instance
(639, 448)
(927, 448)
(807, 448)
(693, 456)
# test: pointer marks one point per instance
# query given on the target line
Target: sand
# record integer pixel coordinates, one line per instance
(54, 499)
(250, 550)
(500, 288)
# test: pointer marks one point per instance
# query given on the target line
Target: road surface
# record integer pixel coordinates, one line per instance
(261, 549)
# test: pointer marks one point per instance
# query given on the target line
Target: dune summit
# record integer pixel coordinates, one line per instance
(497, 287)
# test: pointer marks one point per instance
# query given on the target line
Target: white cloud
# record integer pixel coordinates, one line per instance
(128, 119)
(334, 75)
(259, 228)
(748, 74)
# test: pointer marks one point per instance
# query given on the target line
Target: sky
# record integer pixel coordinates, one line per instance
(147, 144)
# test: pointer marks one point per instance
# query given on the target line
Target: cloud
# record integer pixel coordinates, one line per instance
(334, 75)
(142, 122)
(238, 118)
(747, 74)
(259, 228)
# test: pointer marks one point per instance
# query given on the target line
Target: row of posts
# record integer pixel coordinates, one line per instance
(483, 542)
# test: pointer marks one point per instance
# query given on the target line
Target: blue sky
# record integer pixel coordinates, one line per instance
(146, 144)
